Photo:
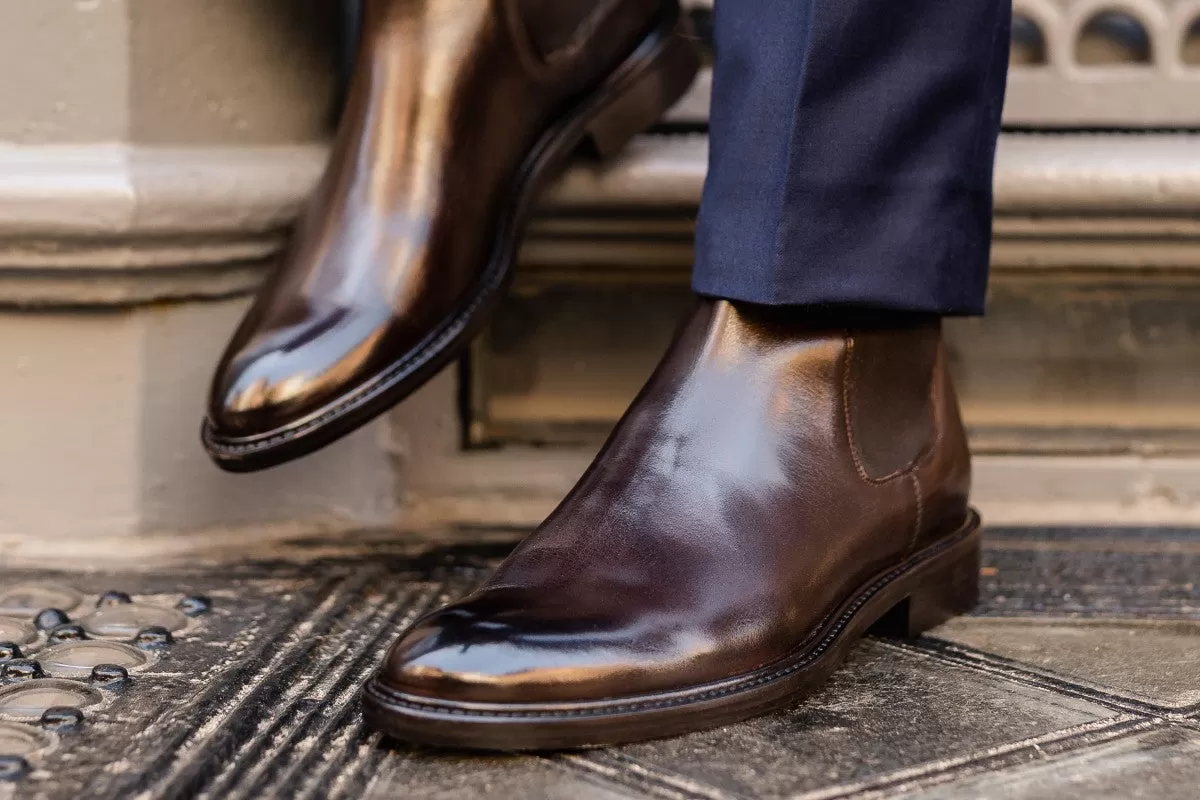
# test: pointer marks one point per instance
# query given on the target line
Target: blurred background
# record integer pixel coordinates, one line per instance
(153, 153)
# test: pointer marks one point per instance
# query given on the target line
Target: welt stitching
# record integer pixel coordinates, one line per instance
(824, 644)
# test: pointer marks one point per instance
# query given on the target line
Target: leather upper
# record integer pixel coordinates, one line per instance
(767, 471)
(448, 98)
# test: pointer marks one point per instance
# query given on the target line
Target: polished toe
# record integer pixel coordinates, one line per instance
(292, 373)
(500, 649)
(457, 656)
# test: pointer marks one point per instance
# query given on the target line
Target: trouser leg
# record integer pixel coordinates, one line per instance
(852, 144)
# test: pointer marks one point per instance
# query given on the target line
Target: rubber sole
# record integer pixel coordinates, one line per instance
(929, 588)
(633, 98)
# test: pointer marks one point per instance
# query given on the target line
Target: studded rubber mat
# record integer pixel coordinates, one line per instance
(1079, 676)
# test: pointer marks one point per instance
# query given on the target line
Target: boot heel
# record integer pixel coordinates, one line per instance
(670, 60)
(948, 591)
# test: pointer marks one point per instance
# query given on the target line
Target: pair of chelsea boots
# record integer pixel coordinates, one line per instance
(783, 485)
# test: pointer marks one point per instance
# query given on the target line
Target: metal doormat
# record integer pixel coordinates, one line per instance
(1075, 678)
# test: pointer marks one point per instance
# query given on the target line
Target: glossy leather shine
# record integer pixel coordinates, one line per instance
(448, 99)
(767, 471)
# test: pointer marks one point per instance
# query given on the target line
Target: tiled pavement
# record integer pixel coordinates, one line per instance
(1078, 677)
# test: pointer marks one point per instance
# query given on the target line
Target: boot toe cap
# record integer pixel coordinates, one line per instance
(277, 379)
(261, 394)
(454, 656)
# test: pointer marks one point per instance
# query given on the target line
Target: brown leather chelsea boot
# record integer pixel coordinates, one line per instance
(776, 491)
(459, 113)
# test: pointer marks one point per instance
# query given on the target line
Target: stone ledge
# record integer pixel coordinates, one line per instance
(111, 191)
(102, 225)
(119, 225)
(581, 248)
(1060, 174)
(115, 191)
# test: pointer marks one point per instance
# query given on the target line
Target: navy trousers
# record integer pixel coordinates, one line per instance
(852, 144)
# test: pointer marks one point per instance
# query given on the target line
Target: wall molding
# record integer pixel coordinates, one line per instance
(1061, 174)
(114, 191)
(118, 225)
(111, 224)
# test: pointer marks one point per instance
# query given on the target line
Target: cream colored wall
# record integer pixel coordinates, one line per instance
(235, 72)
(66, 71)
(152, 153)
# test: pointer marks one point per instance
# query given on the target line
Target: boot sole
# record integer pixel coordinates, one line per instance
(633, 98)
(929, 588)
